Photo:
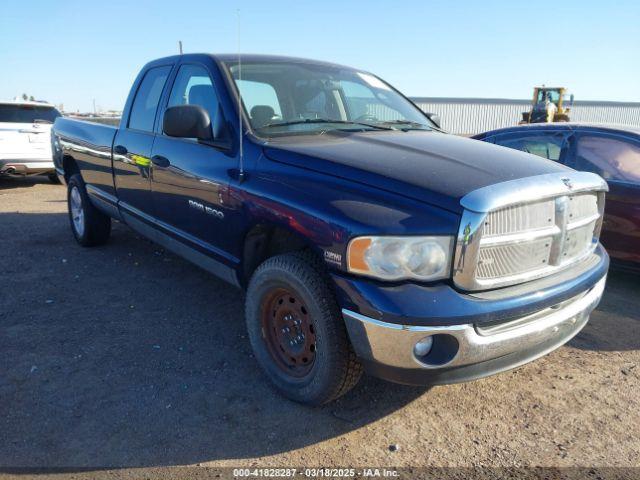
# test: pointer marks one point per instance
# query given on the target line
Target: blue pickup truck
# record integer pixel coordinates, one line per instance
(366, 238)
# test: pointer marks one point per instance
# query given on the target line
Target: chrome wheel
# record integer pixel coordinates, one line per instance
(77, 212)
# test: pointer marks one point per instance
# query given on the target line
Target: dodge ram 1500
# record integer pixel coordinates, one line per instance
(365, 236)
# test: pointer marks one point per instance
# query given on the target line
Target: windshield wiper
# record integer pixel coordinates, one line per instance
(42, 120)
(406, 122)
(413, 124)
(324, 120)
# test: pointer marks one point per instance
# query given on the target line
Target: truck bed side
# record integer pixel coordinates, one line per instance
(88, 147)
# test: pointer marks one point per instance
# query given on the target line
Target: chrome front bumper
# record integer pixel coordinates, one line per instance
(467, 352)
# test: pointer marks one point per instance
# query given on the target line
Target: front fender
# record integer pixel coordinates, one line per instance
(327, 211)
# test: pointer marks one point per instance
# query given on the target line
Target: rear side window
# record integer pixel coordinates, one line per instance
(145, 104)
(27, 114)
(547, 145)
(611, 158)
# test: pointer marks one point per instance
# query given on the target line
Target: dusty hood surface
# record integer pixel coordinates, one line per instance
(428, 166)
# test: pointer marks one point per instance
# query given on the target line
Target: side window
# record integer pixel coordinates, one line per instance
(260, 100)
(611, 158)
(547, 145)
(193, 86)
(145, 104)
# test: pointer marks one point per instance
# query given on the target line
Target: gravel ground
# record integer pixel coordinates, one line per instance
(127, 357)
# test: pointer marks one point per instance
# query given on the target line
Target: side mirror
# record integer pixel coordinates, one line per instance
(187, 121)
(434, 117)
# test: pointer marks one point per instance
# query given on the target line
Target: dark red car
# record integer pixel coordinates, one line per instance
(613, 152)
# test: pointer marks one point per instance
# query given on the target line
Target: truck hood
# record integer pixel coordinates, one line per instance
(430, 167)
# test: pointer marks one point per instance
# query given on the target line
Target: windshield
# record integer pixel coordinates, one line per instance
(552, 95)
(27, 113)
(284, 98)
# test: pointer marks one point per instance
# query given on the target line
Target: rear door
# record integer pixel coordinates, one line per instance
(616, 158)
(191, 178)
(134, 141)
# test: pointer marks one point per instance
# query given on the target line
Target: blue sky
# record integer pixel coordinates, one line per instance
(71, 52)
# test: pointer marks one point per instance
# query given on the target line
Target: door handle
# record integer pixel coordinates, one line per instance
(160, 161)
(120, 150)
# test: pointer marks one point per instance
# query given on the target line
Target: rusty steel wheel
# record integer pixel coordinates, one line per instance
(296, 329)
(289, 332)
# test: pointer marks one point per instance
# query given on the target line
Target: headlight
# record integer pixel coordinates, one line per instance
(395, 258)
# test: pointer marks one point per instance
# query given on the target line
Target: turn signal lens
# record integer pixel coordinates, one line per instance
(357, 250)
(395, 258)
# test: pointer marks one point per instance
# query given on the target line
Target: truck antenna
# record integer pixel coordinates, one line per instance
(180, 46)
(241, 162)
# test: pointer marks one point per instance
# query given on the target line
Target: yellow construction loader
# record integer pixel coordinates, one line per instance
(541, 110)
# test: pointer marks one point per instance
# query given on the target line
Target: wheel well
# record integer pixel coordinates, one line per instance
(265, 241)
(70, 167)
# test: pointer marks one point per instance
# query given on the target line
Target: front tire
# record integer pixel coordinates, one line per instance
(297, 332)
(89, 225)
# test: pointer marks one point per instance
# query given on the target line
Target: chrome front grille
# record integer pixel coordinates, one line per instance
(536, 235)
(531, 237)
(504, 260)
(519, 218)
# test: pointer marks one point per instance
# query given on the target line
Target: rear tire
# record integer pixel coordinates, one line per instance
(297, 332)
(89, 225)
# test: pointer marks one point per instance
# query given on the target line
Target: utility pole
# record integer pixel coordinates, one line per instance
(180, 46)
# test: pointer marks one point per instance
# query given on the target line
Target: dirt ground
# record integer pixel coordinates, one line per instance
(127, 357)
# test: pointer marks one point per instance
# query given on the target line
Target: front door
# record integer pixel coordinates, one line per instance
(189, 178)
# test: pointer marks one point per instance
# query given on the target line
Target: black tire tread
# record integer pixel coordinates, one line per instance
(308, 268)
(97, 227)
